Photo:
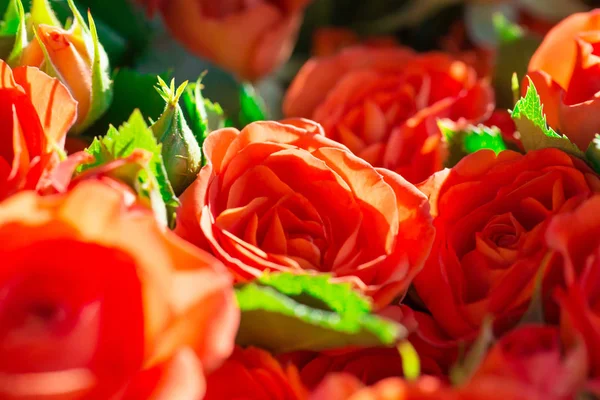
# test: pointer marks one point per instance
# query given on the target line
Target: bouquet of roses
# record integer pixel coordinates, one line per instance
(416, 215)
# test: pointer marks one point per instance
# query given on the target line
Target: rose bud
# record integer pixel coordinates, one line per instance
(75, 56)
(180, 149)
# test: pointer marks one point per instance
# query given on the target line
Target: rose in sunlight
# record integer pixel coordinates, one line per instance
(248, 38)
(283, 197)
(253, 373)
(491, 213)
(565, 70)
(383, 103)
(36, 112)
(76, 58)
(97, 301)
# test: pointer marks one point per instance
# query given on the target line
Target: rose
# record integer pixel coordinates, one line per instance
(94, 297)
(370, 365)
(253, 373)
(37, 111)
(283, 197)
(249, 38)
(574, 237)
(490, 214)
(384, 103)
(565, 71)
(535, 357)
(76, 58)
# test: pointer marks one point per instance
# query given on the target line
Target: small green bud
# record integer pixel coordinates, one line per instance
(180, 149)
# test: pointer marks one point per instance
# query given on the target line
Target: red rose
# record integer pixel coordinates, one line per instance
(283, 197)
(491, 213)
(384, 104)
(574, 236)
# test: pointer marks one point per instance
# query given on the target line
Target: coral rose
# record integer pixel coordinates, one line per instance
(565, 70)
(490, 214)
(253, 373)
(249, 38)
(36, 112)
(383, 103)
(283, 197)
(535, 357)
(94, 298)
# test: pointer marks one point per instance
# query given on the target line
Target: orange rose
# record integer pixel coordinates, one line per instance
(383, 103)
(253, 373)
(534, 356)
(283, 197)
(37, 111)
(490, 214)
(249, 38)
(93, 295)
(565, 70)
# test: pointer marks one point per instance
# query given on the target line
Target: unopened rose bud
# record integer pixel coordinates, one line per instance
(75, 56)
(180, 149)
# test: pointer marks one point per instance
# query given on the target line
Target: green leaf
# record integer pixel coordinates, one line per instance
(134, 134)
(592, 153)
(469, 140)
(12, 18)
(464, 369)
(285, 312)
(411, 365)
(252, 106)
(529, 117)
